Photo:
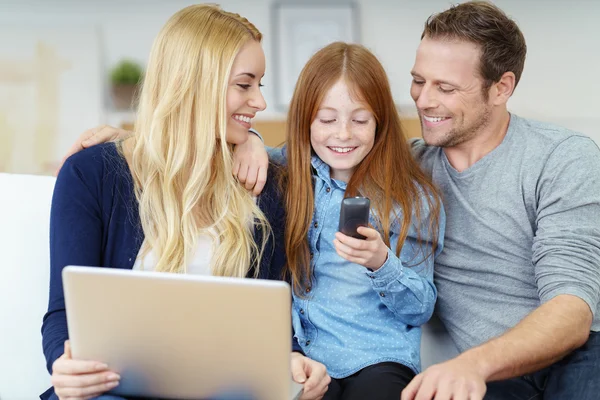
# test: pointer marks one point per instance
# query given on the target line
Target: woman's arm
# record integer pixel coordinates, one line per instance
(76, 237)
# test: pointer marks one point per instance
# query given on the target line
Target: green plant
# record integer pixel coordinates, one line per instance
(126, 72)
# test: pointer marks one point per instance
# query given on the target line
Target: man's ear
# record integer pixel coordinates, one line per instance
(503, 89)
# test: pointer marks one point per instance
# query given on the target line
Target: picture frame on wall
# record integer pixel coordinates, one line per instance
(299, 30)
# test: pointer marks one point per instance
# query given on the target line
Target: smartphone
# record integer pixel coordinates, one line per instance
(355, 213)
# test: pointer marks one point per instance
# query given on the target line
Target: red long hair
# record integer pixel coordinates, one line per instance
(388, 175)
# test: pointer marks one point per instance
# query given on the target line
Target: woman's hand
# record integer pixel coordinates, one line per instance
(81, 380)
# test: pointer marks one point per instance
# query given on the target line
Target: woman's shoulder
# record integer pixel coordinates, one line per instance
(271, 198)
(274, 184)
(97, 163)
(98, 171)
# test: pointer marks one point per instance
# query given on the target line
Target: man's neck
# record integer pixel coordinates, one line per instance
(466, 154)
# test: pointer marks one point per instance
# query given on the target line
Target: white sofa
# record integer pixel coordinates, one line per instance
(24, 271)
(24, 266)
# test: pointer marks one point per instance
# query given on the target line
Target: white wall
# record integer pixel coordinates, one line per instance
(560, 81)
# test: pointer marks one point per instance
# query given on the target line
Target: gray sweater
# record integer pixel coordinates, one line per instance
(523, 226)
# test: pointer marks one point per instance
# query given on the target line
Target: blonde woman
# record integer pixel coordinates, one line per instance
(163, 199)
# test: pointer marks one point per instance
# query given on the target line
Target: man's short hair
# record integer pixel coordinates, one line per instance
(502, 43)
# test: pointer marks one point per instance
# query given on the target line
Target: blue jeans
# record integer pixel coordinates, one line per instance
(576, 376)
(224, 396)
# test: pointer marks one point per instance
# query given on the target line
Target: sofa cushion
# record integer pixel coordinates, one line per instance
(24, 264)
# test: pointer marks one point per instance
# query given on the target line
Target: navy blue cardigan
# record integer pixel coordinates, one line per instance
(94, 221)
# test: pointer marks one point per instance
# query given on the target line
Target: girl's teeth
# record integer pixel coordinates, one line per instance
(342, 149)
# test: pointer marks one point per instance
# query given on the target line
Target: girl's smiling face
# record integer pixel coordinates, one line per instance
(343, 131)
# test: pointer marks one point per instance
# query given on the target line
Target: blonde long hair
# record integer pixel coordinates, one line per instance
(180, 161)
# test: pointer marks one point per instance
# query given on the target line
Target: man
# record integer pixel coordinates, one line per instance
(519, 276)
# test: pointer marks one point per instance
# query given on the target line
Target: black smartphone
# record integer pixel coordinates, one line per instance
(355, 213)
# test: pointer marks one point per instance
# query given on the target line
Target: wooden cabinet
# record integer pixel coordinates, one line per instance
(273, 131)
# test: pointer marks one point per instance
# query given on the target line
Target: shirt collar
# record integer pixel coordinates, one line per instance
(321, 171)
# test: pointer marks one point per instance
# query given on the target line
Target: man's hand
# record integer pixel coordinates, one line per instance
(250, 163)
(92, 137)
(312, 374)
(456, 379)
(370, 252)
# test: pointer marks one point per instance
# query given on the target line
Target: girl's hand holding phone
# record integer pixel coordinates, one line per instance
(370, 252)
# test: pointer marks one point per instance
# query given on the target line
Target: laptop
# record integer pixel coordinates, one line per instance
(182, 336)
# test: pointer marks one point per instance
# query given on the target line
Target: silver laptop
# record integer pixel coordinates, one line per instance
(182, 336)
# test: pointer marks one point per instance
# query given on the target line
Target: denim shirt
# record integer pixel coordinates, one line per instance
(351, 317)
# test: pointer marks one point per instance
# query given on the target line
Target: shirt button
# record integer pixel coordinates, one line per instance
(308, 289)
(302, 311)
(316, 224)
(382, 294)
(328, 190)
(308, 342)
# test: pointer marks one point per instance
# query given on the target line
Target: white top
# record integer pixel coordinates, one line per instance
(198, 265)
